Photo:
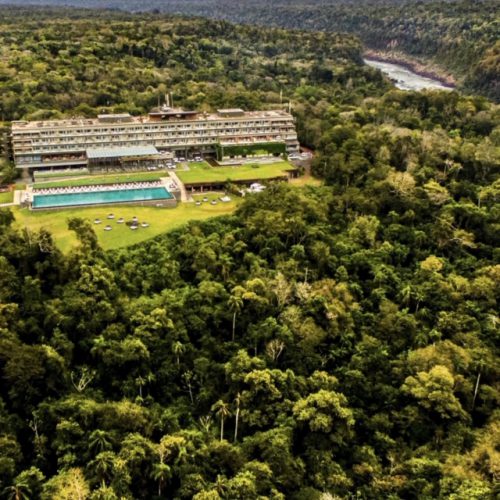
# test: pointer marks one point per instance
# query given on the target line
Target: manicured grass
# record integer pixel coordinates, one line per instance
(203, 172)
(103, 179)
(160, 220)
(199, 165)
(6, 197)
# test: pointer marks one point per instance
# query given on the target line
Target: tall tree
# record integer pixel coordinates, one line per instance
(221, 409)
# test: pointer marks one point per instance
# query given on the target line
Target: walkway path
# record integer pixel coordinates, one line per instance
(19, 195)
(184, 193)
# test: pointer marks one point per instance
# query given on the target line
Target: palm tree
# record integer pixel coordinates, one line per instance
(405, 294)
(237, 415)
(226, 262)
(188, 378)
(182, 454)
(235, 303)
(419, 297)
(20, 490)
(103, 465)
(178, 348)
(409, 293)
(99, 441)
(161, 473)
(140, 382)
(222, 411)
(220, 484)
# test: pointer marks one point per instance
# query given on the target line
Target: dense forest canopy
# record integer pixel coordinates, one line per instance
(87, 62)
(461, 37)
(323, 342)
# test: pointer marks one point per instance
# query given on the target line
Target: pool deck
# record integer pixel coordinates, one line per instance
(158, 203)
(171, 186)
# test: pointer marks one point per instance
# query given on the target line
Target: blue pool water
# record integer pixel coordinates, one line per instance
(100, 197)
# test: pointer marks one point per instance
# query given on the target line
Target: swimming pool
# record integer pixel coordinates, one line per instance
(100, 197)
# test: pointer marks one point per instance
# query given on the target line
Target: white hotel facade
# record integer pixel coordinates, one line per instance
(72, 142)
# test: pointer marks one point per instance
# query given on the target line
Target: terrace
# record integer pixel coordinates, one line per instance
(96, 188)
(90, 180)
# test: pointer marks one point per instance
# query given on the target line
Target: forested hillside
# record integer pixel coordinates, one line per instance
(83, 62)
(461, 37)
(336, 341)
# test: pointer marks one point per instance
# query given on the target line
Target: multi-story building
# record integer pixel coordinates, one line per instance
(119, 137)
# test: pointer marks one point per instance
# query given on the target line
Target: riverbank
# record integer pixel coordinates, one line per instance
(427, 70)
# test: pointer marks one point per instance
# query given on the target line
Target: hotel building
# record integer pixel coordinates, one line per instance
(121, 139)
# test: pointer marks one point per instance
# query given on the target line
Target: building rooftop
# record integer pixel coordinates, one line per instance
(167, 111)
(117, 117)
(124, 119)
(96, 153)
(231, 112)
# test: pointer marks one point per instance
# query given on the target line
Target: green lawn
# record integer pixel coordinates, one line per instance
(6, 197)
(203, 172)
(198, 165)
(160, 220)
(103, 179)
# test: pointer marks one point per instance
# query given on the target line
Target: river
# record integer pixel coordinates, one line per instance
(404, 78)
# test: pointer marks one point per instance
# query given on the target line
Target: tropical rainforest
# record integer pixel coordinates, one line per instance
(323, 342)
(457, 37)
